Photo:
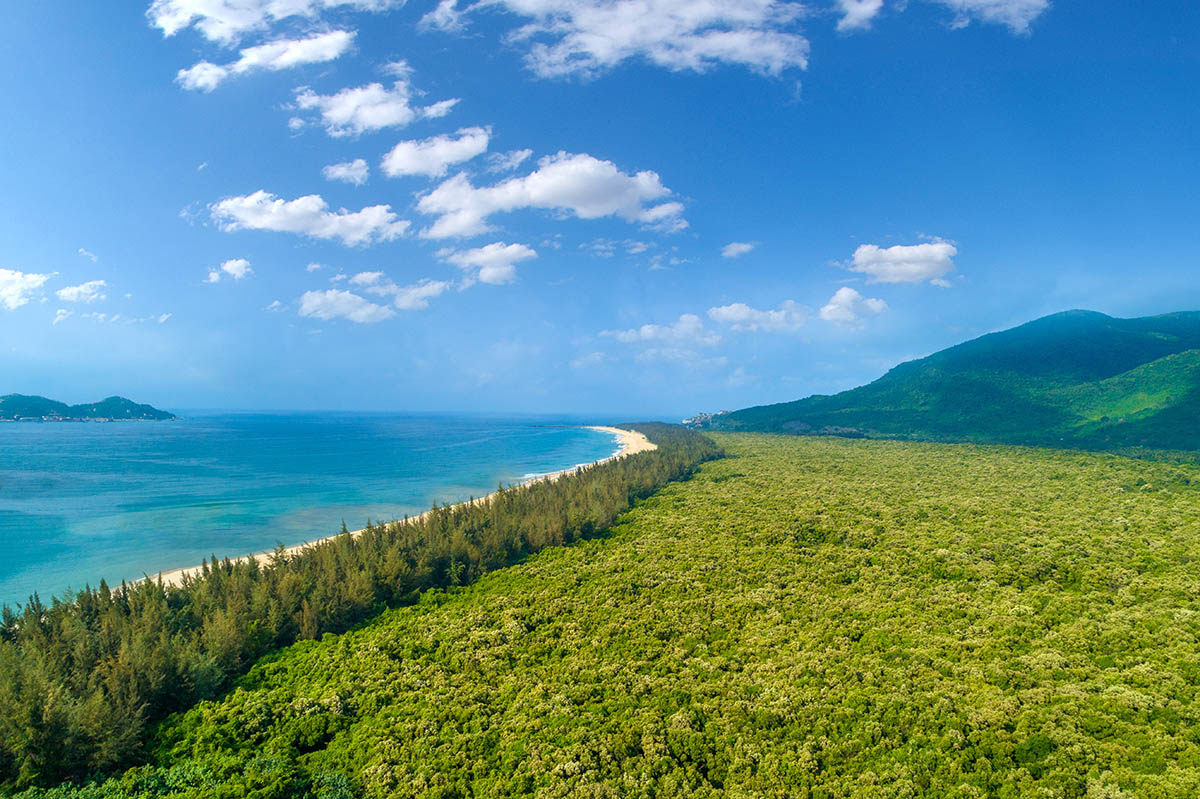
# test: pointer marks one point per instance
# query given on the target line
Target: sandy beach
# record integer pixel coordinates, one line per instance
(629, 442)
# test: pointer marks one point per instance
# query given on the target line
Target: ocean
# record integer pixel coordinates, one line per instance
(80, 501)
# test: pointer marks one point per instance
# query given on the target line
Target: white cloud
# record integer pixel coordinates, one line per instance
(688, 330)
(847, 308)
(567, 37)
(857, 14)
(788, 316)
(62, 314)
(355, 171)
(339, 304)
(736, 249)
(309, 216)
(275, 307)
(905, 263)
(367, 278)
(407, 298)
(18, 288)
(494, 264)
(591, 360)
(507, 162)
(579, 184)
(370, 107)
(237, 268)
(91, 256)
(272, 56)
(117, 318)
(313, 267)
(226, 21)
(417, 296)
(91, 291)
(433, 156)
(1017, 15)
(607, 248)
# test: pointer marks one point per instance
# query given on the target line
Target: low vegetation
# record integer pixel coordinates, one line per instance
(83, 680)
(810, 617)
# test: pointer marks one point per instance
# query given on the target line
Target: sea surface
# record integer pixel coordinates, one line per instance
(85, 500)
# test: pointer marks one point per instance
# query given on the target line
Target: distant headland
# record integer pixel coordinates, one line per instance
(27, 408)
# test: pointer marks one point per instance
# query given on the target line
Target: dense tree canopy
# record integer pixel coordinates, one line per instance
(806, 618)
(82, 680)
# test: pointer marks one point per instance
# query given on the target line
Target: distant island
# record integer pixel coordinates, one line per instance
(29, 408)
(1075, 379)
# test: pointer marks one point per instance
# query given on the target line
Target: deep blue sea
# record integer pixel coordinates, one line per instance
(81, 501)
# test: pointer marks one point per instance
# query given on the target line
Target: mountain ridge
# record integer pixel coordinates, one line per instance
(32, 407)
(1076, 378)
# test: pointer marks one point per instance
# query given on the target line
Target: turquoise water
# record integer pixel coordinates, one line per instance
(81, 501)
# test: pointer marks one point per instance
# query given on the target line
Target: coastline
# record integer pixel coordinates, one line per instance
(629, 442)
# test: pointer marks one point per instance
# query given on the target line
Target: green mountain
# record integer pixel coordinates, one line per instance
(1077, 378)
(14, 407)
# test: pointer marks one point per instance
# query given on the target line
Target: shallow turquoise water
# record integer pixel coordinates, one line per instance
(81, 501)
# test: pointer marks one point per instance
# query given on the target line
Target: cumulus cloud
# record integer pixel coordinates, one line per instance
(226, 21)
(687, 330)
(1016, 15)
(308, 216)
(61, 314)
(578, 184)
(272, 56)
(912, 263)
(736, 249)
(494, 264)
(847, 308)
(340, 304)
(91, 256)
(788, 316)
(18, 288)
(586, 37)
(432, 157)
(91, 291)
(355, 171)
(237, 268)
(367, 108)
(509, 161)
(857, 14)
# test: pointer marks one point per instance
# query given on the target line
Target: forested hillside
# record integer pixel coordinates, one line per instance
(809, 617)
(1078, 379)
(83, 681)
(14, 407)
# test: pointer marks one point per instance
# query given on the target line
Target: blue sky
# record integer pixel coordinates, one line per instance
(585, 206)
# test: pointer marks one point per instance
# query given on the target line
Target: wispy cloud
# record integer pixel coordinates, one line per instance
(272, 56)
(18, 288)
(89, 292)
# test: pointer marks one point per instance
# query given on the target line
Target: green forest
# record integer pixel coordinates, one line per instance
(84, 680)
(805, 617)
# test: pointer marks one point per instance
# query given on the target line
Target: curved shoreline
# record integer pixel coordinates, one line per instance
(629, 442)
